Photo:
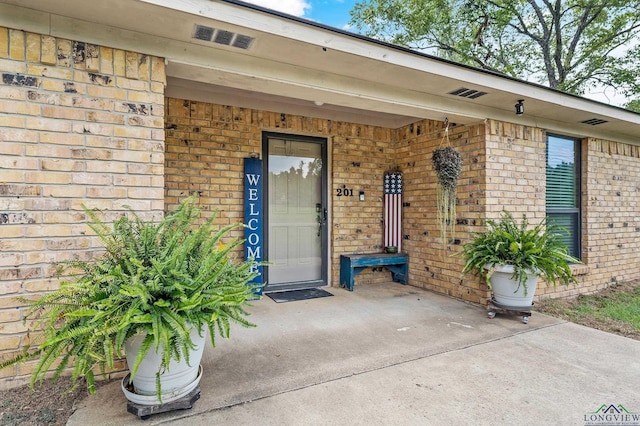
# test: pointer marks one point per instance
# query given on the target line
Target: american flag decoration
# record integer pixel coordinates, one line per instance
(393, 209)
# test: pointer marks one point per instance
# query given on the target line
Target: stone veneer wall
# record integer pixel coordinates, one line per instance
(79, 124)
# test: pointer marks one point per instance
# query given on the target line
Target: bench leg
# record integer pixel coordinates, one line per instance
(346, 277)
(346, 274)
(353, 271)
(399, 273)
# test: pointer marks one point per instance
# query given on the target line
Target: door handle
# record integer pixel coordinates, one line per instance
(322, 218)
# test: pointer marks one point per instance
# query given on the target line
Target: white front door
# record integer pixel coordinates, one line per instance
(296, 212)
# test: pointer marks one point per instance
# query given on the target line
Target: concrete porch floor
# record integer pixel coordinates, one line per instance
(393, 354)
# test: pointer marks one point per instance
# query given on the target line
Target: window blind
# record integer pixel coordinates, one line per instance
(563, 195)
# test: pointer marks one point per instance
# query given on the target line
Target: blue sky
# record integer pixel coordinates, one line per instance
(329, 12)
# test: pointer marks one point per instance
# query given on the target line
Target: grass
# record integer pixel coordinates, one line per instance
(615, 309)
(621, 306)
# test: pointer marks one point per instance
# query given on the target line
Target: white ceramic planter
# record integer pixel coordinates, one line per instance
(178, 377)
(506, 291)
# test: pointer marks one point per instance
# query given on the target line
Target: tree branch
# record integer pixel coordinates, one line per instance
(545, 42)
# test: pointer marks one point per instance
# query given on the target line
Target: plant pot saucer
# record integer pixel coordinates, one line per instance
(153, 399)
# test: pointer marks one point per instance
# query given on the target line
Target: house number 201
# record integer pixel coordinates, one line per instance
(340, 192)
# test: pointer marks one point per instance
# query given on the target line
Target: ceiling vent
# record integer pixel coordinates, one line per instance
(463, 92)
(226, 38)
(594, 121)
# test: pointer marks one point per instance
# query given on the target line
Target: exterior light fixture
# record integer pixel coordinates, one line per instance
(520, 107)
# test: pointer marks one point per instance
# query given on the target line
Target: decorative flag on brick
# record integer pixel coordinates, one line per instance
(393, 209)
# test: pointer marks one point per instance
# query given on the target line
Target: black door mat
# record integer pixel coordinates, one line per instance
(293, 295)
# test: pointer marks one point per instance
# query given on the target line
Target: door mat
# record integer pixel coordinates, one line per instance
(293, 295)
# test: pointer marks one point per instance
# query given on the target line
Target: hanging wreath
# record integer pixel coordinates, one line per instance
(447, 163)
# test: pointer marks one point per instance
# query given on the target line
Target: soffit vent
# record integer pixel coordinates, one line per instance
(226, 38)
(464, 92)
(594, 121)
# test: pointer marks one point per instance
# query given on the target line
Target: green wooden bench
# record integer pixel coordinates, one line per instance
(352, 264)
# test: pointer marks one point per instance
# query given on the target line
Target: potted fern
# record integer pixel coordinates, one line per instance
(158, 288)
(511, 256)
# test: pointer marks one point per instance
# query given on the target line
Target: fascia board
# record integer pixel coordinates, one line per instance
(357, 45)
(352, 45)
(259, 73)
(236, 15)
(385, 98)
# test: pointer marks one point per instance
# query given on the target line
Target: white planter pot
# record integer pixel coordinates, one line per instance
(178, 377)
(506, 291)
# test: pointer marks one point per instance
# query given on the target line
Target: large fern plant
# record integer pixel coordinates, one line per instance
(537, 250)
(158, 278)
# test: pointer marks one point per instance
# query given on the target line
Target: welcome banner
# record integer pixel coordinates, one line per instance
(253, 214)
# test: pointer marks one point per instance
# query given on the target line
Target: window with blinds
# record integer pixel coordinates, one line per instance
(563, 188)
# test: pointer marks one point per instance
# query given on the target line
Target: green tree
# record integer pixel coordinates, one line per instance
(634, 105)
(569, 45)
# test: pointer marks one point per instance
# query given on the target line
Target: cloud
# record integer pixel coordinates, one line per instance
(292, 7)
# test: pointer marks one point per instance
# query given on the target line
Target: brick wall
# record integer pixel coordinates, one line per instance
(206, 144)
(610, 200)
(515, 170)
(504, 169)
(432, 262)
(516, 182)
(611, 212)
(79, 123)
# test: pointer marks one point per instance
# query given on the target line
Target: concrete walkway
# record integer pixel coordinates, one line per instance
(397, 355)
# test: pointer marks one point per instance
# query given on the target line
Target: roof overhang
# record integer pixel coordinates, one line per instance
(298, 66)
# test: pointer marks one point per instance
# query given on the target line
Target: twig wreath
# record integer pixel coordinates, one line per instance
(447, 163)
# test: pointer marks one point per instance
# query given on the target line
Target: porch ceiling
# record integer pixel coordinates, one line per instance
(292, 65)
